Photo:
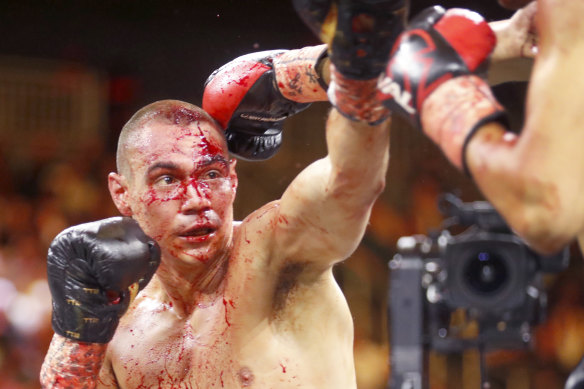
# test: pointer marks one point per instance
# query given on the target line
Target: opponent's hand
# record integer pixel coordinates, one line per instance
(517, 37)
(435, 77)
(94, 271)
(254, 94)
(360, 34)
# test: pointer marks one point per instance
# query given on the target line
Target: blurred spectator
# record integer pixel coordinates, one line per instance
(45, 193)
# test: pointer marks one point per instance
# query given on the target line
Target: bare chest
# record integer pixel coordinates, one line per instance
(157, 350)
(217, 350)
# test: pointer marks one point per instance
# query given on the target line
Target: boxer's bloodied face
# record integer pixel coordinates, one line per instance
(514, 4)
(182, 187)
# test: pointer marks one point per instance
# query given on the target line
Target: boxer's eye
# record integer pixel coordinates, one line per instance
(166, 180)
(212, 175)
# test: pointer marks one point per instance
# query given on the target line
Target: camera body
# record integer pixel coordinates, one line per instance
(486, 272)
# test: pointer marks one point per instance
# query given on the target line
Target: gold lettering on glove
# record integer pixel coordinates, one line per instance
(73, 302)
(71, 334)
(91, 320)
(91, 290)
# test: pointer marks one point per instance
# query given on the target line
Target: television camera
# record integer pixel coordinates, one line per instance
(486, 272)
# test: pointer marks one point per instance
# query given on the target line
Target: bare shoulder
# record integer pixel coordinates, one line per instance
(253, 237)
(260, 220)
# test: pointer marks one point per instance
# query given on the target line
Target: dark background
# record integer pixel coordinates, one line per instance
(171, 46)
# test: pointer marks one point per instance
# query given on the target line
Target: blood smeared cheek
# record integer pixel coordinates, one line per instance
(155, 212)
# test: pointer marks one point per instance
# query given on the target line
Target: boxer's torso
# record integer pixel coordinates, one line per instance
(270, 326)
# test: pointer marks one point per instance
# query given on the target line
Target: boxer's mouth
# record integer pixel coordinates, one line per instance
(198, 232)
(195, 232)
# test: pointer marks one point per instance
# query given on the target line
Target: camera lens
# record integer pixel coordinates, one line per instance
(485, 272)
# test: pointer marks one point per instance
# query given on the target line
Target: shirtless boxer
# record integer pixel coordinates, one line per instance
(533, 179)
(231, 305)
(250, 304)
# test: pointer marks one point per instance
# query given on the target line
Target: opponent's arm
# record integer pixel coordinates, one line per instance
(252, 96)
(530, 179)
(535, 179)
(94, 271)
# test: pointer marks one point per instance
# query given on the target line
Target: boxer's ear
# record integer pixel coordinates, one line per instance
(118, 189)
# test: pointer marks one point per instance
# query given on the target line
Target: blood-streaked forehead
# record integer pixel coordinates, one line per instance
(200, 140)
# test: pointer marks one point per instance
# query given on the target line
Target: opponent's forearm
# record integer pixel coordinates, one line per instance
(302, 75)
(72, 364)
(519, 188)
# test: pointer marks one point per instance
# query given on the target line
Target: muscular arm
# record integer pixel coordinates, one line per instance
(536, 180)
(324, 212)
(71, 364)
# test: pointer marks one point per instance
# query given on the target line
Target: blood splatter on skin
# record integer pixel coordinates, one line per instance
(183, 147)
(227, 302)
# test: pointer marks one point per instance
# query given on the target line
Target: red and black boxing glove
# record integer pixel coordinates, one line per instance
(254, 94)
(436, 74)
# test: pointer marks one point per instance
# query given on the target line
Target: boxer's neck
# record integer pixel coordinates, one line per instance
(201, 285)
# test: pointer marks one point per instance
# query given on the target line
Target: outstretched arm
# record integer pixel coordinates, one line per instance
(325, 210)
(322, 215)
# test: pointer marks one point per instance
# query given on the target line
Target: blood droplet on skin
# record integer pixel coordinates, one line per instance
(226, 318)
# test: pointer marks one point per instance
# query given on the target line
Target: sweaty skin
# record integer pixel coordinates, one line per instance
(251, 304)
(536, 180)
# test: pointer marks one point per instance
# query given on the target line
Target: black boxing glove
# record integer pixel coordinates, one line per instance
(360, 34)
(436, 78)
(94, 270)
(254, 94)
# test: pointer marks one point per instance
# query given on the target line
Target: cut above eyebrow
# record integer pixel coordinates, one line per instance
(214, 159)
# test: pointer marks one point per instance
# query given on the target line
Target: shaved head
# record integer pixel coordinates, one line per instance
(164, 111)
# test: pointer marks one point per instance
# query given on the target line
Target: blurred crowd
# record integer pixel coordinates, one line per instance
(41, 193)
